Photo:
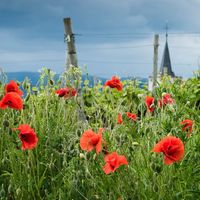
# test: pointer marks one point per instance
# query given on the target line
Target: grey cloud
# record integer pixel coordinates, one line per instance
(31, 34)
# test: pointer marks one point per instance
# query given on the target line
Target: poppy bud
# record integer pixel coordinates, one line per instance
(135, 144)
(5, 123)
(163, 94)
(51, 82)
(107, 89)
(94, 156)
(140, 95)
(26, 84)
(82, 156)
(34, 89)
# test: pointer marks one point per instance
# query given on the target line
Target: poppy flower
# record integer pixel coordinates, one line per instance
(12, 100)
(149, 101)
(13, 87)
(113, 161)
(91, 140)
(172, 148)
(131, 116)
(27, 136)
(119, 119)
(187, 125)
(114, 83)
(66, 92)
(166, 99)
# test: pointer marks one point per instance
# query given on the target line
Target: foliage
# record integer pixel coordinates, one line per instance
(59, 169)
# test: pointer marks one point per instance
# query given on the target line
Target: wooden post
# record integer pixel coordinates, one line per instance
(155, 59)
(71, 59)
(71, 56)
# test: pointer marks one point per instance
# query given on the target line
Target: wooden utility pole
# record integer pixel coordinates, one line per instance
(71, 56)
(155, 59)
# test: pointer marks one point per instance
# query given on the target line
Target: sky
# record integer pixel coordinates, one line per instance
(112, 37)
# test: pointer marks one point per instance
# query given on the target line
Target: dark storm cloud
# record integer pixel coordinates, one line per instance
(45, 17)
(31, 33)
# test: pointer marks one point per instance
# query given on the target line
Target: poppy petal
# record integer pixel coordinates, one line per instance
(84, 141)
(122, 160)
(157, 148)
(167, 160)
(107, 168)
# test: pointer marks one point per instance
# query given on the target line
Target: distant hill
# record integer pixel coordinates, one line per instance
(20, 76)
(34, 77)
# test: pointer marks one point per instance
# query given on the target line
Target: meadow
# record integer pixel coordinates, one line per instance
(74, 134)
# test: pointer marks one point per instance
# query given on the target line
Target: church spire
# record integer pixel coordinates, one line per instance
(165, 68)
(166, 28)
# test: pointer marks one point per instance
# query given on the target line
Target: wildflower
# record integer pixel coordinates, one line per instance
(66, 92)
(27, 136)
(114, 83)
(131, 116)
(166, 99)
(113, 161)
(172, 148)
(12, 100)
(119, 119)
(187, 125)
(91, 140)
(149, 101)
(13, 87)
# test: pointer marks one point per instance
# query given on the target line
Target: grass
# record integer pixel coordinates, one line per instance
(59, 169)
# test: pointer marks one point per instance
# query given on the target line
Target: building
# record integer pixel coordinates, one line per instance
(166, 68)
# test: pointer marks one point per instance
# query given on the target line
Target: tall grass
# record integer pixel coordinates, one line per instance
(58, 169)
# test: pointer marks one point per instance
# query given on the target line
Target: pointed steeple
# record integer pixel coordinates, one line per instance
(166, 68)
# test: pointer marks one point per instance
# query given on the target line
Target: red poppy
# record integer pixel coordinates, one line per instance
(187, 125)
(27, 136)
(66, 92)
(119, 119)
(12, 100)
(113, 161)
(131, 116)
(114, 83)
(172, 148)
(167, 99)
(91, 140)
(149, 101)
(13, 87)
